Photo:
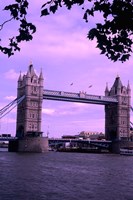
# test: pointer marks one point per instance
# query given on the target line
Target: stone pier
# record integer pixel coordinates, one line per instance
(29, 144)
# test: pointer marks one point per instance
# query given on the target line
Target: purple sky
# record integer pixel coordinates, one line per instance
(61, 49)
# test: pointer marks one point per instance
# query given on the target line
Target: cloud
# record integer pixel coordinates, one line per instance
(61, 38)
(66, 112)
(11, 74)
(83, 105)
(48, 111)
(61, 47)
(90, 124)
(6, 120)
(58, 109)
(10, 98)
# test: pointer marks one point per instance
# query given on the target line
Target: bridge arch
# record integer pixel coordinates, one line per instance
(20, 131)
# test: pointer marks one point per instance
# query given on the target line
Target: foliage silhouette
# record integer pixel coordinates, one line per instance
(114, 35)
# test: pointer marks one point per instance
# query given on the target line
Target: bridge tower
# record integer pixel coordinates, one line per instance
(28, 124)
(117, 116)
(29, 110)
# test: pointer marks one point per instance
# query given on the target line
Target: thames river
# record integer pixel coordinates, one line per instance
(65, 176)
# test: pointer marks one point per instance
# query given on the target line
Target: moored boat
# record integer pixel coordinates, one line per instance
(126, 152)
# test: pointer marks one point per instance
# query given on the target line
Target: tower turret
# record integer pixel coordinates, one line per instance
(41, 79)
(28, 76)
(31, 70)
(128, 89)
(20, 80)
(106, 90)
(117, 86)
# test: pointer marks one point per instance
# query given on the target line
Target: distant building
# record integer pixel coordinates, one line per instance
(92, 135)
(85, 135)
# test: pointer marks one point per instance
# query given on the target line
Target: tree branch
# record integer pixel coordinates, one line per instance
(1, 26)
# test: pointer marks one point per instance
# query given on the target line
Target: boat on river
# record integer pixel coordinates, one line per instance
(126, 152)
(83, 150)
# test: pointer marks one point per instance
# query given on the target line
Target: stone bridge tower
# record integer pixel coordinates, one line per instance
(29, 110)
(117, 116)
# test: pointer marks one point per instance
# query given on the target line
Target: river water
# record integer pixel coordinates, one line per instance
(65, 176)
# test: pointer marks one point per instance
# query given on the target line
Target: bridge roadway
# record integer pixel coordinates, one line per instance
(81, 97)
(98, 143)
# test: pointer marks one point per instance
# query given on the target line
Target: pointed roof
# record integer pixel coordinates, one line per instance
(41, 75)
(128, 86)
(28, 73)
(20, 77)
(31, 71)
(106, 89)
(117, 83)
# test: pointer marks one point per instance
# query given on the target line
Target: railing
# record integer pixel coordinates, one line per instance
(79, 140)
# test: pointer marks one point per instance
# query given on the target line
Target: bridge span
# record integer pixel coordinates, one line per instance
(81, 97)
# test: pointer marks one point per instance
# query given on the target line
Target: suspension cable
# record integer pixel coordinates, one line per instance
(8, 108)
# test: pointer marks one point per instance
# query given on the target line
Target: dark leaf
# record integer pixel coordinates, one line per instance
(125, 57)
(90, 12)
(48, 2)
(32, 27)
(92, 33)
(44, 12)
(85, 17)
(18, 1)
(53, 8)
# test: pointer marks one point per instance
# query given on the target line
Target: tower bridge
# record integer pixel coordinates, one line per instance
(31, 92)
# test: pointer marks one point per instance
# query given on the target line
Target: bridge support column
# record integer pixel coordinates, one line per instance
(115, 147)
(37, 144)
(13, 146)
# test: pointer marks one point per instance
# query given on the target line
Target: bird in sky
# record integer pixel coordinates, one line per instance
(90, 86)
(71, 84)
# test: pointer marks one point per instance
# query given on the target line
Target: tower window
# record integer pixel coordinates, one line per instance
(35, 89)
